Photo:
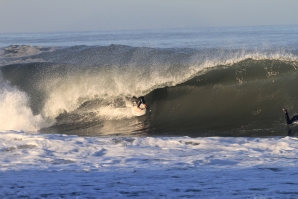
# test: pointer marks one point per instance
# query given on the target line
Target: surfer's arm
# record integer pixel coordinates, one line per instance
(287, 116)
(139, 104)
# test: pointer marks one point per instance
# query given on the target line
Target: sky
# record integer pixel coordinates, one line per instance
(97, 15)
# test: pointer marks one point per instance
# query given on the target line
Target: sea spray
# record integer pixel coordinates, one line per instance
(15, 112)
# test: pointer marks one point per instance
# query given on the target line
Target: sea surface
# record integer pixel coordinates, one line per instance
(214, 126)
(197, 82)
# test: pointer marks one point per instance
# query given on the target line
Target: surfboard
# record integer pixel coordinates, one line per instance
(138, 112)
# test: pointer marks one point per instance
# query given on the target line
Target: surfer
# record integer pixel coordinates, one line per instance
(138, 101)
(288, 120)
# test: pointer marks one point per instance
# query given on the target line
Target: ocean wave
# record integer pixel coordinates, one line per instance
(188, 90)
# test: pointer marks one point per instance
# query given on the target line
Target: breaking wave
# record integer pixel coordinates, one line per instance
(88, 89)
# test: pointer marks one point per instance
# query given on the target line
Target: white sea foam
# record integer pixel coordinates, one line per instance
(112, 113)
(15, 112)
(147, 167)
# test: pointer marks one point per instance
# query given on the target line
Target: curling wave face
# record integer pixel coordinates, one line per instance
(87, 90)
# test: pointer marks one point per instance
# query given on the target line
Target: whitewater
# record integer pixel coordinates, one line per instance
(214, 126)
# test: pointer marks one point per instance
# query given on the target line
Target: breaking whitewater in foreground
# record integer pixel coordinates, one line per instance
(64, 166)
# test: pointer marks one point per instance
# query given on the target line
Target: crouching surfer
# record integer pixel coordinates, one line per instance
(138, 101)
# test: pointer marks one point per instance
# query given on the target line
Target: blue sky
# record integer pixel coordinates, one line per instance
(93, 15)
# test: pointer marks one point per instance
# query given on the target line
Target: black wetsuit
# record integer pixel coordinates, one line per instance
(139, 100)
(288, 120)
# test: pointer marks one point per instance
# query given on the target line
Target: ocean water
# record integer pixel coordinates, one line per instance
(197, 82)
(214, 126)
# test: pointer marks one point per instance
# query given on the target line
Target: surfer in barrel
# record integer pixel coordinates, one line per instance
(138, 101)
